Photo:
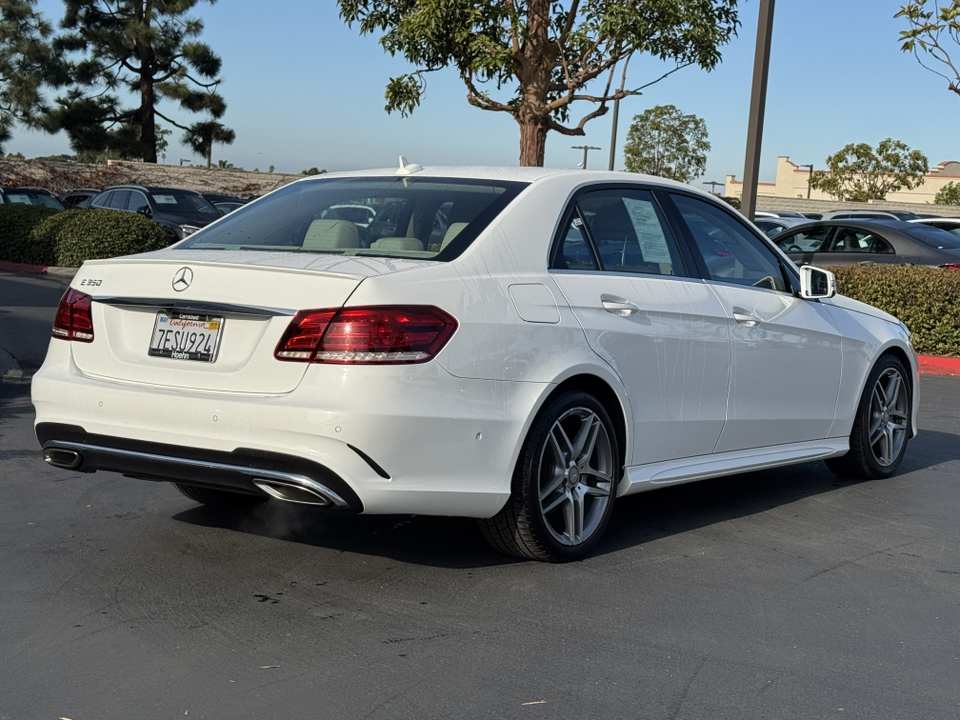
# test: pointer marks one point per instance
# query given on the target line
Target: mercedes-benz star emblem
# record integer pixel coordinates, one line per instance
(182, 279)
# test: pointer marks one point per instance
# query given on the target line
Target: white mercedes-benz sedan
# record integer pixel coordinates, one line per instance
(518, 345)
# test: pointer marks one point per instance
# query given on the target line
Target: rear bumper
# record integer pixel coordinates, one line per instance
(407, 440)
(243, 470)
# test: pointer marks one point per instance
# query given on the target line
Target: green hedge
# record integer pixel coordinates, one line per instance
(926, 300)
(93, 234)
(43, 236)
(17, 223)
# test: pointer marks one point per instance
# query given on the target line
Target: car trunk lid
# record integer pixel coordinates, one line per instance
(237, 308)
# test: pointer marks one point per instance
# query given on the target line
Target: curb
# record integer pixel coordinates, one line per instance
(928, 364)
(37, 269)
(938, 365)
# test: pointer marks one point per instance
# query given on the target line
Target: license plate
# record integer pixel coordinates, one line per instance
(186, 336)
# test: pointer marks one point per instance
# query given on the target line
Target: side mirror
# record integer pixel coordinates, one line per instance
(817, 283)
(145, 210)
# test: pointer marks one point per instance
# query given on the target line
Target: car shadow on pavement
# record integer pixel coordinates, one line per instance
(422, 540)
(457, 542)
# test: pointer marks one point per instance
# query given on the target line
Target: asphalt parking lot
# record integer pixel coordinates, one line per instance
(782, 594)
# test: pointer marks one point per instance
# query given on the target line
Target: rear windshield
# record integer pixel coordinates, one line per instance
(26, 196)
(410, 217)
(934, 237)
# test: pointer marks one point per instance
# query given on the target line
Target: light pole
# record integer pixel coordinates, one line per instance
(586, 149)
(713, 184)
(613, 133)
(809, 178)
(758, 101)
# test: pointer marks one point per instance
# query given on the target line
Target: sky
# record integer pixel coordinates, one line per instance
(304, 90)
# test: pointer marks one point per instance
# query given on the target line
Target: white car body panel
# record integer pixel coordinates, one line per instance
(672, 358)
(770, 329)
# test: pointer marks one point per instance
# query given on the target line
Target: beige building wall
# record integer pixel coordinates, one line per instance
(792, 182)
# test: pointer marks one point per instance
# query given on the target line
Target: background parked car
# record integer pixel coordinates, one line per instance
(79, 198)
(773, 226)
(30, 196)
(852, 242)
(225, 203)
(181, 212)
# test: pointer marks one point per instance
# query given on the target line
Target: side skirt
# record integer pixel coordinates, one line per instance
(640, 478)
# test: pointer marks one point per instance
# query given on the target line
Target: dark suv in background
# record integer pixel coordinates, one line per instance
(181, 212)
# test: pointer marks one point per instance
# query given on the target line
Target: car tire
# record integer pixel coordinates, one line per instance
(881, 427)
(220, 498)
(564, 484)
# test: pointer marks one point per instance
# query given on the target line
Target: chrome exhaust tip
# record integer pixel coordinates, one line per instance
(303, 493)
(63, 458)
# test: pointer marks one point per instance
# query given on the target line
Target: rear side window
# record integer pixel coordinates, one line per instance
(623, 230)
(430, 218)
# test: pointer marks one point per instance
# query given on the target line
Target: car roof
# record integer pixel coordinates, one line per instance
(24, 188)
(531, 175)
(149, 188)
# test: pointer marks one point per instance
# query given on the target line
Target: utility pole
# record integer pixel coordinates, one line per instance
(809, 178)
(758, 101)
(613, 134)
(586, 149)
(713, 184)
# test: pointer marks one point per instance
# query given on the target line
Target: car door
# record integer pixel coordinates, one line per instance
(785, 351)
(624, 276)
(854, 246)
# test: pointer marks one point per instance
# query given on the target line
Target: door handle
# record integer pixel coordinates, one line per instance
(618, 305)
(745, 318)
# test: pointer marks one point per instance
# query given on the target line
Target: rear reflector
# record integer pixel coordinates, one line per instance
(74, 320)
(377, 335)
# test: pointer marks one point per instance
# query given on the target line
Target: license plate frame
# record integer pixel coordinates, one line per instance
(180, 335)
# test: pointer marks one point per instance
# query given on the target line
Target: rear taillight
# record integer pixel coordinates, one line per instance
(379, 335)
(74, 320)
(951, 266)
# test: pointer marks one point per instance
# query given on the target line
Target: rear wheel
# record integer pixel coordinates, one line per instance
(882, 425)
(564, 485)
(220, 498)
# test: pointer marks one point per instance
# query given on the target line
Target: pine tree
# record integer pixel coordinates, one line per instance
(25, 64)
(147, 49)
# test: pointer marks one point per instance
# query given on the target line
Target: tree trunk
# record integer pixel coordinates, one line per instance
(148, 120)
(148, 98)
(533, 142)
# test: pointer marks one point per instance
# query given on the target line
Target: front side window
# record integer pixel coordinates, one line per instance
(730, 250)
(137, 202)
(431, 218)
(806, 241)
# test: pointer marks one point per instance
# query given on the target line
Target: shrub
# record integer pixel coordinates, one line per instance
(926, 300)
(16, 225)
(949, 194)
(94, 234)
(45, 235)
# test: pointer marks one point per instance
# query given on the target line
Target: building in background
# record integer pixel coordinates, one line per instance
(792, 182)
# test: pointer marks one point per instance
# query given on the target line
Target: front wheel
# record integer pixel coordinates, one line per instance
(564, 484)
(882, 424)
